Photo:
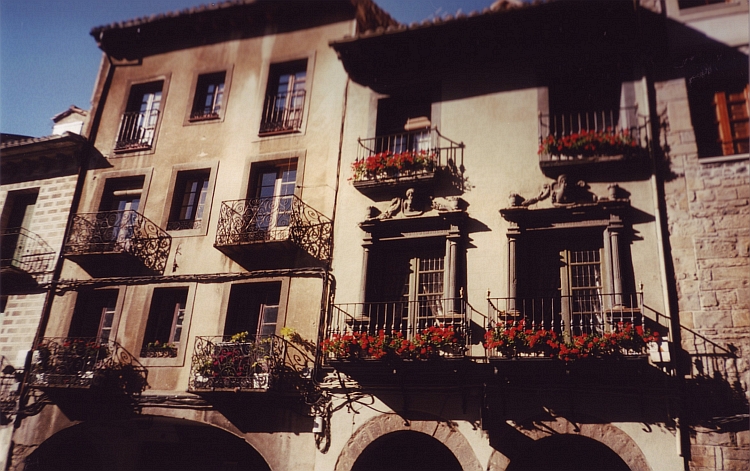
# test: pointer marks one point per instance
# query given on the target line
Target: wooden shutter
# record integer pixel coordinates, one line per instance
(732, 111)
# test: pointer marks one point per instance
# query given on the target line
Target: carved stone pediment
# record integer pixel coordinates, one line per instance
(414, 205)
(564, 193)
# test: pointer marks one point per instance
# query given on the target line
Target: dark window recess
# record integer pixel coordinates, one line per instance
(394, 112)
(253, 308)
(138, 125)
(586, 99)
(165, 322)
(189, 200)
(699, 3)
(94, 315)
(209, 97)
(284, 105)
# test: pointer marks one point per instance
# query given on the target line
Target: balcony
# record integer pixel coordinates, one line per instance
(273, 231)
(429, 328)
(604, 138)
(283, 113)
(86, 363)
(137, 131)
(590, 325)
(121, 243)
(241, 364)
(27, 260)
(387, 165)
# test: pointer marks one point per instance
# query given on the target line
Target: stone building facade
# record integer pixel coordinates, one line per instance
(313, 238)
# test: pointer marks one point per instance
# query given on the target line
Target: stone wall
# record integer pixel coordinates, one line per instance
(20, 319)
(708, 211)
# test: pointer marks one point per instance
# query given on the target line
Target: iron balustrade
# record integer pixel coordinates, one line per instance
(283, 112)
(119, 232)
(277, 218)
(137, 130)
(624, 123)
(253, 363)
(78, 362)
(26, 251)
(9, 389)
(405, 317)
(438, 151)
(573, 314)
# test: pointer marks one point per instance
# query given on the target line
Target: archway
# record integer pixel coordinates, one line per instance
(567, 453)
(406, 451)
(145, 443)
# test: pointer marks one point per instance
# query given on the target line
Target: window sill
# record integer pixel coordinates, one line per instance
(167, 361)
(133, 149)
(204, 118)
(279, 132)
(703, 12)
(723, 158)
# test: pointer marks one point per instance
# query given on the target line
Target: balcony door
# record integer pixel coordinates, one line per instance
(94, 315)
(21, 213)
(118, 216)
(275, 195)
(406, 290)
(253, 308)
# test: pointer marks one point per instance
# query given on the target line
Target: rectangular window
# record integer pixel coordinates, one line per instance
(138, 125)
(16, 246)
(253, 308)
(406, 290)
(94, 315)
(285, 98)
(165, 322)
(209, 95)
(393, 134)
(189, 200)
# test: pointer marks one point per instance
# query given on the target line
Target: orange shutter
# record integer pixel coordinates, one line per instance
(722, 119)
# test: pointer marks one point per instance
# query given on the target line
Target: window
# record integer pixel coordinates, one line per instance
(209, 95)
(17, 216)
(117, 219)
(189, 200)
(285, 98)
(274, 193)
(405, 290)
(138, 125)
(732, 110)
(94, 315)
(719, 109)
(393, 115)
(253, 308)
(165, 321)
(699, 3)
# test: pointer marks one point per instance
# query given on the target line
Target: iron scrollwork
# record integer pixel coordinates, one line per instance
(26, 251)
(120, 232)
(277, 218)
(86, 363)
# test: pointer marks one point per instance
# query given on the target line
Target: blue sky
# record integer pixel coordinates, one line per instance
(48, 61)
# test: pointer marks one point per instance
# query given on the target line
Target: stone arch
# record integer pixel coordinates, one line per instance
(387, 423)
(160, 442)
(607, 434)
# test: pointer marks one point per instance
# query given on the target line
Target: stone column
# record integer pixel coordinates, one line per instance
(614, 229)
(366, 245)
(454, 236)
(513, 234)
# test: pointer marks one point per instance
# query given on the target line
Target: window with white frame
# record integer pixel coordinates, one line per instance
(285, 98)
(189, 200)
(94, 315)
(209, 97)
(138, 124)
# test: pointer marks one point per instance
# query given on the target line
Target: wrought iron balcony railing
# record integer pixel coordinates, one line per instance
(590, 135)
(283, 112)
(584, 313)
(26, 251)
(137, 130)
(259, 363)
(406, 154)
(407, 329)
(9, 389)
(278, 218)
(127, 232)
(85, 363)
